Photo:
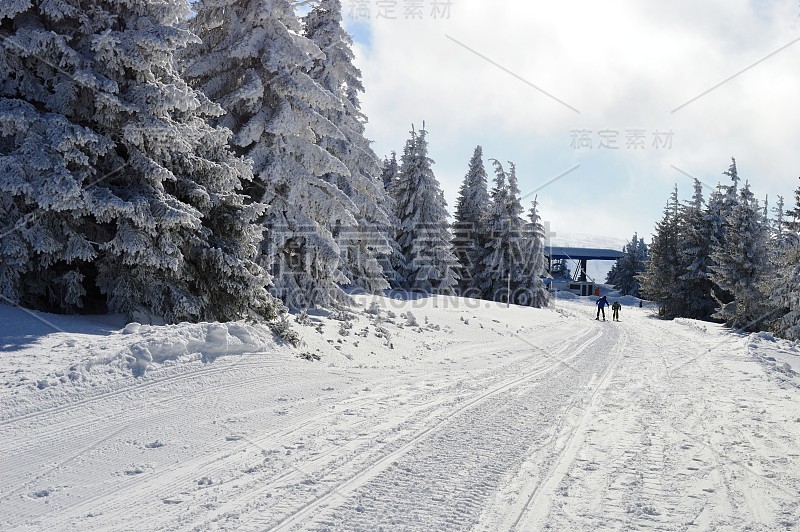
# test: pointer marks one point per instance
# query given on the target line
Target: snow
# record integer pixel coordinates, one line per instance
(404, 412)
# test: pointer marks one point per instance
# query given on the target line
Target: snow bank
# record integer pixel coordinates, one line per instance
(780, 357)
(694, 324)
(41, 350)
(206, 341)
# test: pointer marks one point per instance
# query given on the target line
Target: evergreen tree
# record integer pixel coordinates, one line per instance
(739, 265)
(624, 273)
(335, 72)
(392, 260)
(732, 190)
(694, 256)
(720, 205)
(390, 174)
(778, 224)
(115, 189)
(472, 207)
(254, 61)
(503, 268)
(534, 265)
(659, 282)
(428, 265)
(785, 290)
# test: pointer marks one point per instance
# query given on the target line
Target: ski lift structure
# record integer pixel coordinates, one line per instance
(578, 282)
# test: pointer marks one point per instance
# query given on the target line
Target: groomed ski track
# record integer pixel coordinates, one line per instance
(641, 424)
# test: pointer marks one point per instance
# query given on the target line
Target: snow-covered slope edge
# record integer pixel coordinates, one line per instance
(780, 357)
(60, 356)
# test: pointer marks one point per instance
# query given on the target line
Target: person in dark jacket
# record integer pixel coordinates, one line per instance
(615, 310)
(602, 303)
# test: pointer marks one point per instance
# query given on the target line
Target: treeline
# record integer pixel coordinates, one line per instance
(211, 164)
(728, 258)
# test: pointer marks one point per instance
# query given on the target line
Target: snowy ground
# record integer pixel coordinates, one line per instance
(459, 416)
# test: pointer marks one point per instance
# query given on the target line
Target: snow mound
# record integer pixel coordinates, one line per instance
(565, 295)
(781, 358)
(42, 350)
(161, 345)
(695, 324)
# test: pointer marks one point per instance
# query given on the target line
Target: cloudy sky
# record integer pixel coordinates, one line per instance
(603, 106)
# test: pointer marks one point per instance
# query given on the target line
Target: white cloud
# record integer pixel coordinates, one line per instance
(624, 65)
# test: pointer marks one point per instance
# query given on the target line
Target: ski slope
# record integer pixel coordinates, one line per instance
(462, 416)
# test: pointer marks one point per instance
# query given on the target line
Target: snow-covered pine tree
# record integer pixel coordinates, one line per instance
(398, 260)
(118, 190)
(785, 289)
(732, 190)
(659, 282)
(472, 207)
(390, 174)
(429, 265)
(535, 267)
(391, 260)
(371, 238)
(720, 205)
(739, 265)
(624, 273)
(254, 61)
(694, 256)
(506, 253)
(777, 227)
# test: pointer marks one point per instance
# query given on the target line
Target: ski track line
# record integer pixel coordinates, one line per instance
(430, 406)
(540, 500)
(99, 423)
(724, 461)
(225, 447)
(61, 464)
(174, 479)
(98, 426)
(371, 470)
(139, 386)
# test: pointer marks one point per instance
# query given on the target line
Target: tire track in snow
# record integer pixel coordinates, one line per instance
(660, 472)
(540, 500)
(228, 457)
(333, 462)
(340, 493)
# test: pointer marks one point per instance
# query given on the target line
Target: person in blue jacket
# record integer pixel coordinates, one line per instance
(602, 303)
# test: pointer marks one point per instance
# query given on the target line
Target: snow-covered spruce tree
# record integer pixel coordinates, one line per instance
(506, 252)
(624, 273)
(472, 207)
(720, 205)
(391, 260)
(785, 289)
(390, 174)
(777, 225)
(120, 193)
(535, 267)
(659, 282)
(740, 264)
(371, 238)
(429, 265)
(254, 61)
(694, 256)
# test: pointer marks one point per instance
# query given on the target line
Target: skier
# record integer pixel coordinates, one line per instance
(602, 303)
(615, 308)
